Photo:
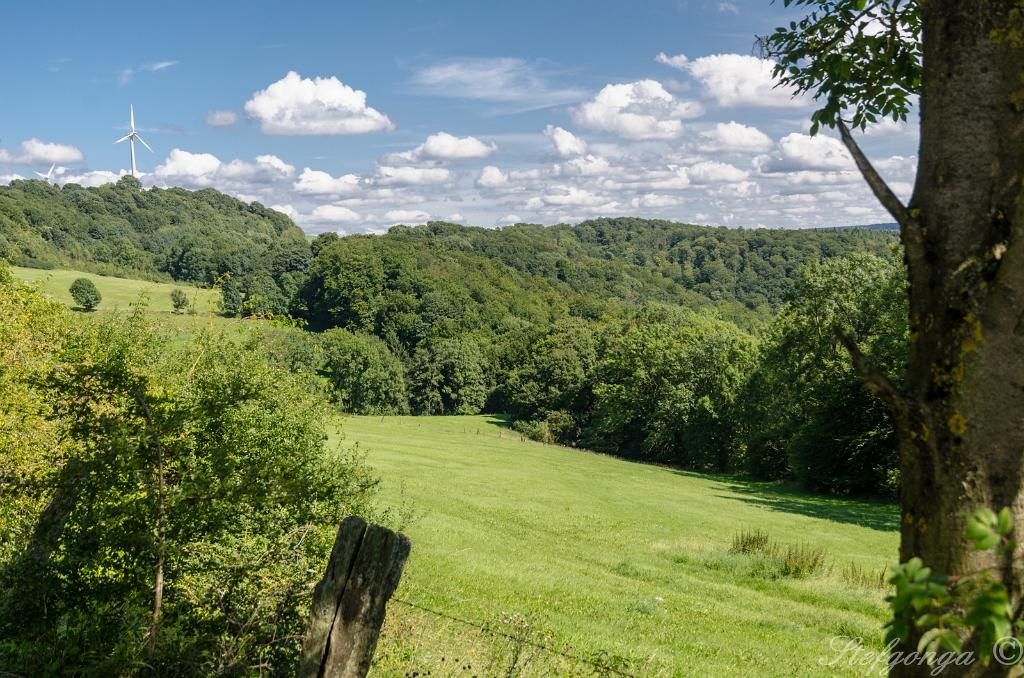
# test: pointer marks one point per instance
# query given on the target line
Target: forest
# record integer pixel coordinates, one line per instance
(706, 348)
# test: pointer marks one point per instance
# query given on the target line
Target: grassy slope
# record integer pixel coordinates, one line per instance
(117, 293)
(608, 555)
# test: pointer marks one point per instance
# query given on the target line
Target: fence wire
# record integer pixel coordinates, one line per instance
(603, 669)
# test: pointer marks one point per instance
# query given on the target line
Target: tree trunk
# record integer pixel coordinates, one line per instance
(961, 430)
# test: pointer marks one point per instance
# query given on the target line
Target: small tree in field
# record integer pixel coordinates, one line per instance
(85, 294)
(179, 300)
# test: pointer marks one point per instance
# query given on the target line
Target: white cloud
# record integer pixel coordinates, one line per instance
(444, 146)
(713, 172)
(221, 118)
(126, 74)
(636, 110)
(492, 177)
(198, 170)
(315, 182)
(36, 152)
(301, 106)
(188, 167)
(406, 216)
(800, 152)
(493, 79)
(732, 137)
(571, 196)
(8, 178)
(331, 213)
(158, 66)
(410, 176)
(88, 179)
(735, 79)
(566, 144)
(587, 165)
(654, 200)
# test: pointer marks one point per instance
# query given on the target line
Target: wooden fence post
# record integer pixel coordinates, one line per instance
(349, 602)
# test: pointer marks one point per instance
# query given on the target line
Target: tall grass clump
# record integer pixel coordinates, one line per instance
(754, 541)
(786, 560)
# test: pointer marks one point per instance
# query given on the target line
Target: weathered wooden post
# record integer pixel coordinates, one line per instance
(349, 602)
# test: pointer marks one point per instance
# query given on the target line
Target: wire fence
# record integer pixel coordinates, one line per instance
(601, 667)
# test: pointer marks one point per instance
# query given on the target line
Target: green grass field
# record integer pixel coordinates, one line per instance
(117, 293)
(604, 558)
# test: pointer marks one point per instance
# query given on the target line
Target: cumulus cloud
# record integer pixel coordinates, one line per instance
(89, 178)
(331, 213)
(732, 137)
(800, 152)
(735, 79)
(444, 146)
(492, 177)
(302, 106)
(315, 182)
(567, 144)
(410, 176)
(586, 165)
(221, 118)
(502, 79)
(406, 216)
(636, 110)
(714, 172)
(36, 152)
(200, 170)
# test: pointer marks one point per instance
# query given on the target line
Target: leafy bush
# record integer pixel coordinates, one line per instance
(85, 294)
(207, 466)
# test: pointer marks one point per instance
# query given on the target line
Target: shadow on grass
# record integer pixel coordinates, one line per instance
(502, 420)
(876, 515)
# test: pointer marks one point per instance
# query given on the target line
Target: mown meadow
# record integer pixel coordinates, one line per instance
(627, 565)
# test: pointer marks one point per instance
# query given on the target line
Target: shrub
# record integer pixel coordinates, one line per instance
(210, 466)
(85, 294)
(179, 300)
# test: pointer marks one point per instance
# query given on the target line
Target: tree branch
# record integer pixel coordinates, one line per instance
(877, 381)
(876, 183)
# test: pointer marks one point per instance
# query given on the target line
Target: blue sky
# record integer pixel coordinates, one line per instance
(355, 116)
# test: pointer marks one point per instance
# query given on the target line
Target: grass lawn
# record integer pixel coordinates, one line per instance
(618, 562)
(117, 293)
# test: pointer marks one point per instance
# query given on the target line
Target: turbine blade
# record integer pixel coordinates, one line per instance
(131, 115)
(126, 137)
(39, 174)
(144, 143)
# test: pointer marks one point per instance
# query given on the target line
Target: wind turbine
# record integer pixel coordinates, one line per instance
(132, 136)
(45, 177)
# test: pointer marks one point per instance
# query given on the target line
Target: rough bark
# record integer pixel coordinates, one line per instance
(962, 437)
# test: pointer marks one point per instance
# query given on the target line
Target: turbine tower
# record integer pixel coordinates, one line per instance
(132, 136)
(46, 177)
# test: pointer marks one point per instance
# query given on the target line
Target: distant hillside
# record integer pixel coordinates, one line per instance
(155, 234)
(887, 226)
(479, 277)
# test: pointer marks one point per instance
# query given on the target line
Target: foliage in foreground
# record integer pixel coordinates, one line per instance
(205, 469)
